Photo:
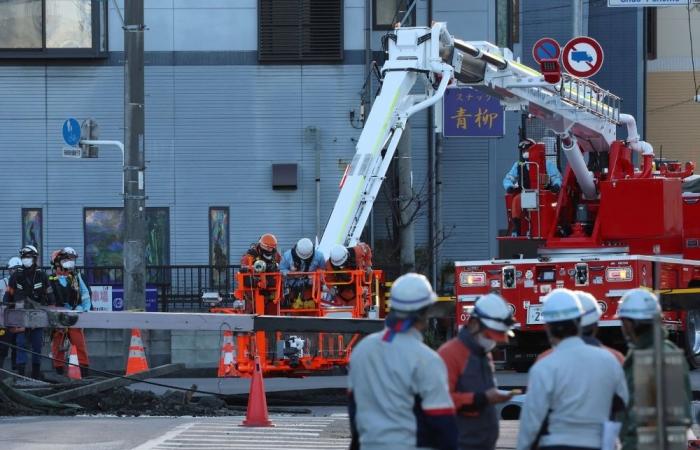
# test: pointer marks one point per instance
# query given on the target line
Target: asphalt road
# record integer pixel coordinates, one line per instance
(326, 429)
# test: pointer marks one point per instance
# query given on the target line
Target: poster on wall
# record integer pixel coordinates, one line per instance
(32, 229)
(104, 236)
(219, 245)
(111, 298)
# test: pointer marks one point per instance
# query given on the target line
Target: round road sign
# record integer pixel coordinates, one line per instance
(582, 56)
(545, 48)
(71, 132)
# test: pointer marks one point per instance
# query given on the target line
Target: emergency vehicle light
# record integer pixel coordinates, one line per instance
(618, 274)
(471, 279)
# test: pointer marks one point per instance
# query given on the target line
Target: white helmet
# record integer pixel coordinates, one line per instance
(411, 292)
(339, 254)
(304, 248)
(591, 309)
(639, 304)
(14, 263)
(493, 312)
(561, 305)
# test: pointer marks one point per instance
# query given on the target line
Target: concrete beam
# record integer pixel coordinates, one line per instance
(238, 323)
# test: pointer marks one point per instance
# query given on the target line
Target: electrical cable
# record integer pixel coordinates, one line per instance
(692, 53)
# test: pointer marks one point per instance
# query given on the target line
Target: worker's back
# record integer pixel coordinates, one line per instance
(574, 386)
(394, 382)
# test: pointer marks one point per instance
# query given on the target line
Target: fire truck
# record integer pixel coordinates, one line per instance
(614, 225)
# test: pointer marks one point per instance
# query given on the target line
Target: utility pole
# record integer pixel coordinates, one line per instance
(577, 18)
(134, 165)
(407, 206)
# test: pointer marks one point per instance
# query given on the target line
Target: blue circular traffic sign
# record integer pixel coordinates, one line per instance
(545, 48)
(71, 132)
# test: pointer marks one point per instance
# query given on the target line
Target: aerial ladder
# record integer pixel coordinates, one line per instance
(579, 111)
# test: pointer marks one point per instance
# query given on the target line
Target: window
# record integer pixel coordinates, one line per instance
(300, 31)
(53, 28)
(32, 229)
(387, 13)
(507, 23)
(104, 237)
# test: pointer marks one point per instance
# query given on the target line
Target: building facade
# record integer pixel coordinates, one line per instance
(233, 89)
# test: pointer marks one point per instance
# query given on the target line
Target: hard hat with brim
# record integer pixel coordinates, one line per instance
(591, 308)
(639, 304)
(497, 325)
(561, 305)
(411, 292)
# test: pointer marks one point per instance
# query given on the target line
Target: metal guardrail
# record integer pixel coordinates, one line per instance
(179, 287)
(585, 94)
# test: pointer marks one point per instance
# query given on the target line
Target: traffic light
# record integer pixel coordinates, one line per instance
(89, 130)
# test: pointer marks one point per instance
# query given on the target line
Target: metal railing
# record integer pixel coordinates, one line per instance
(591, 97)
(179, 288)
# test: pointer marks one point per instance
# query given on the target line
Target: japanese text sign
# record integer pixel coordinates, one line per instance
(469, 112)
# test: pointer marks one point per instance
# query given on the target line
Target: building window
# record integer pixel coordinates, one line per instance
(507, 23)
(53, 28)
(219, 245)
(651, 34)
(300, 31)
(32, 229)
(104, 237)
(387, 13)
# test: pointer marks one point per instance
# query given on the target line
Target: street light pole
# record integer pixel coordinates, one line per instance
(134, 167)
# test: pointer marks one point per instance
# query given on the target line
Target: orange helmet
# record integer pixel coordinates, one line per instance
(268, 242)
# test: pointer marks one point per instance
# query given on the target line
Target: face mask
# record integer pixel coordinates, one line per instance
(68, 265)
(526, 155)
(27, 262)
(485, 343)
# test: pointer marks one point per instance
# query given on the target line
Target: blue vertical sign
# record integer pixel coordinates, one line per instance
(469, 112)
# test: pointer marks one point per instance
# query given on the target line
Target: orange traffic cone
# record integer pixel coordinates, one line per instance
(137, 355)
(226, 366)
(256, 415)
(73, 368)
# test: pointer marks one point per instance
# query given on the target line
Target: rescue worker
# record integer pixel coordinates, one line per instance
(518, 178)
(470, 372)
(589, 325)
(71, 292)
(7, 336)
(342, 286)
(262, 257)
(397, 385)
(638, 310)
(29, 287)
(572, 392)
(303, 257)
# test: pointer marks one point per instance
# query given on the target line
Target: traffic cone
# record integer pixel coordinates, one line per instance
(256, 414)
(226, 366)
(137, 355)
(73, 368)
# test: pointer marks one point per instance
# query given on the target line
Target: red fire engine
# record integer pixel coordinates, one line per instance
(612, 227)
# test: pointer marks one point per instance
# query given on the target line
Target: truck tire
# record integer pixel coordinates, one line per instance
(692, 338)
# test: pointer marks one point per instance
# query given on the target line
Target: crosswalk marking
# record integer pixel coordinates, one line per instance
(289, 433)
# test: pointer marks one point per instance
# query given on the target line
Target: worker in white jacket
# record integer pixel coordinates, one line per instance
(574, 391)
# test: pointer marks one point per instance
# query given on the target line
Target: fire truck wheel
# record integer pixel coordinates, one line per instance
(692, 338)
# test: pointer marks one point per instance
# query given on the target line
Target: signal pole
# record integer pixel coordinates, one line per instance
(577, 18)
(134, 164)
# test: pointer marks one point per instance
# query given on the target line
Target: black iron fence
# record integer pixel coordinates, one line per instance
(169, 288)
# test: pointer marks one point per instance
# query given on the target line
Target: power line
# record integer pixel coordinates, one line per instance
(692, 52)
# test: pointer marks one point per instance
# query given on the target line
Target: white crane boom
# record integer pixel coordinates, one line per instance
(575, 108)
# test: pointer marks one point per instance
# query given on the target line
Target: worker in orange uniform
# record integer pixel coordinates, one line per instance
(470, 371)
(342, 285)
(262, 258)
(71, 292)
(519, 178)
(589, 325)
